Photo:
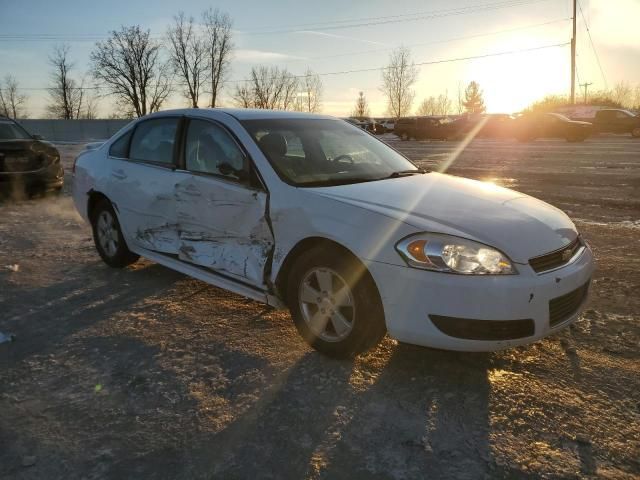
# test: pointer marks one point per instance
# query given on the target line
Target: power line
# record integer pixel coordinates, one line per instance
(416, 16)
(372, 69)
(335, 25)
(604, 78)
(386, 17)
(435, 42)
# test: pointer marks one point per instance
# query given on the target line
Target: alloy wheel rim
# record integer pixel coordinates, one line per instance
(327, 304)
(107, 233)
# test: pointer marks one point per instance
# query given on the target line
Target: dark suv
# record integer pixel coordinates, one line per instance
(26, 162)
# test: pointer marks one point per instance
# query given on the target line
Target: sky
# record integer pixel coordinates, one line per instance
(298, 35)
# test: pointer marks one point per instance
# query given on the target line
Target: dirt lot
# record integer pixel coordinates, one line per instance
(145, 373)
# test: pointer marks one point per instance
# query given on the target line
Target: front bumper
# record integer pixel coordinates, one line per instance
(50, 177)
(412, 297)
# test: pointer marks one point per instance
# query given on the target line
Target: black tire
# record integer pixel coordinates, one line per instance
(368, 323)
(120, 256)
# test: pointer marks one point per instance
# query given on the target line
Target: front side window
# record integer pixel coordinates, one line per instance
(319, 152)
(153, 140)
(210, 149)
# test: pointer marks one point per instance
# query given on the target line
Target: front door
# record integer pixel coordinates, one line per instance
(220, 213)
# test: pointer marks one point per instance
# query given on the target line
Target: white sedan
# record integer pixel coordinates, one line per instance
(313, 214)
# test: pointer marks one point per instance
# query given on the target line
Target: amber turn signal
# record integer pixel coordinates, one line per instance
(416, 250)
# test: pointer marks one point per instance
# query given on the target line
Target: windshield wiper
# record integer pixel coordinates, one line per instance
(336, 181)
(405, 173)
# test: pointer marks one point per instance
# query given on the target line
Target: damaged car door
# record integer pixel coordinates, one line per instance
(221, 207)
(142, 180)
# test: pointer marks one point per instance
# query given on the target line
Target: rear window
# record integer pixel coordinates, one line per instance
(12, 131)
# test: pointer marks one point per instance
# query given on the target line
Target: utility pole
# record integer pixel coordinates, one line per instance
(573, 56)
(585, 85)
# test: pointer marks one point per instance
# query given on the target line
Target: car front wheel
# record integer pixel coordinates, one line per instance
(108, 238)
(334, 303)
(636, 132)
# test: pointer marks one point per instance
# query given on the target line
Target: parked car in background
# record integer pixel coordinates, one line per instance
(496, 125)
(530, 126)
(429, 128)
(27, 164)
(617, 121)
(385, 125)
(368, 124)
(309, 212)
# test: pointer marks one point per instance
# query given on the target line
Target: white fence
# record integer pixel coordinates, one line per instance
(76, 131)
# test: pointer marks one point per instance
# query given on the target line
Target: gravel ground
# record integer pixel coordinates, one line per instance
(146, 373)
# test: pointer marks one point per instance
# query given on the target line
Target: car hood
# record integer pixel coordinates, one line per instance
(517, 224)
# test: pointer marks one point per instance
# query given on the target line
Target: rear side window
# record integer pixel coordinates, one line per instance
(153, 140)
(120, 148)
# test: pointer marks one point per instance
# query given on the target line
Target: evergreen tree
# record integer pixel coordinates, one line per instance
(473, 101)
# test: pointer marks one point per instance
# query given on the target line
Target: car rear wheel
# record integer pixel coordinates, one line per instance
(108, 238)
(635, 132)
(334, 303)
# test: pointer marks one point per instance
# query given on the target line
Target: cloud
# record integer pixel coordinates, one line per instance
(252, 56)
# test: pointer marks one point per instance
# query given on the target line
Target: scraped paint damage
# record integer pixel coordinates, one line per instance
(228, 232)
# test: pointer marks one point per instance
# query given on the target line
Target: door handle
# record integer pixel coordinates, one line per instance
(119, 174)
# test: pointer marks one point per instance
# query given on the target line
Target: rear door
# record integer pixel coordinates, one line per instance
(141, 184)
(221, 206)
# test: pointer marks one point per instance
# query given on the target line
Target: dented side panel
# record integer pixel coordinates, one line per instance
(144, 197)
(223, 226)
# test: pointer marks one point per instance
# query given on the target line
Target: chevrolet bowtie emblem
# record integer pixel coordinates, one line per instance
(566, 255)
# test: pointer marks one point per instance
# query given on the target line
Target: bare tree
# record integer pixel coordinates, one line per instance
(460, 100)
(66, 93)
(444, 104)
(361, 108)
(243, 96)
(636, 97)
(130, 66)
(427, 107)
(12, 103)
(268, 88)
(219, 48)
(310, 95)
(622, 93)
(398, 79)
(90, 111)
(189, 56)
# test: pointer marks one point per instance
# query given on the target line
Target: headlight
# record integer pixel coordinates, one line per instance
(446, 253)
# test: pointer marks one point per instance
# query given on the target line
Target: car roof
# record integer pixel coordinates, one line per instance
(244, 113)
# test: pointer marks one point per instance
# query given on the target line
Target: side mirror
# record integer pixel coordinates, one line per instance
(37, 136)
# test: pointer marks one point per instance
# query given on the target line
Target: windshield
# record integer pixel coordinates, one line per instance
(321, 152)
(12, 131)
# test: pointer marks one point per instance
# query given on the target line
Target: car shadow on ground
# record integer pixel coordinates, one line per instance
(431, 405)
(49, 314)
